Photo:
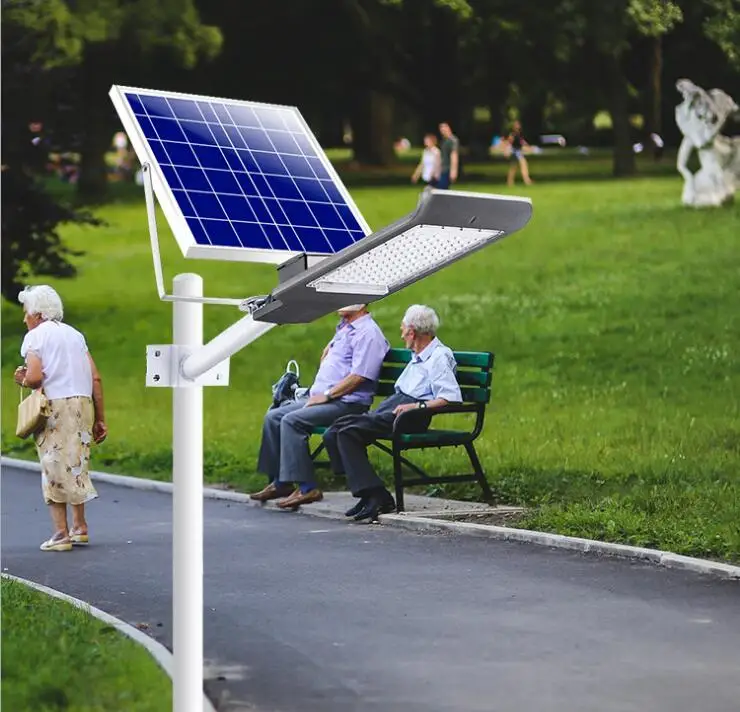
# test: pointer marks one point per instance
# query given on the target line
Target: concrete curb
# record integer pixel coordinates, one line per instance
(430, 524)
(161, 655)
(489, 531)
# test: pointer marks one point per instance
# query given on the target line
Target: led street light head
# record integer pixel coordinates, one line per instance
(446, 226)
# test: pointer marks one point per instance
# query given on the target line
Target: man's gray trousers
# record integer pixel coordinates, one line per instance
(347, 440)
(284, 455)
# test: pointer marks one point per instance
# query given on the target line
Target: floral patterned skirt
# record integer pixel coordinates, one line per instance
(63, 446)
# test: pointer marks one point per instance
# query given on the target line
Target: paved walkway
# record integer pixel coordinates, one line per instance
(313, 615)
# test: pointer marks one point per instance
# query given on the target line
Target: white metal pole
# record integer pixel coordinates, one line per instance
(187, 510)
(226, 344)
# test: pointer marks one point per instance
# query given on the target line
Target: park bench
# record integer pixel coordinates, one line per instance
(474, 374)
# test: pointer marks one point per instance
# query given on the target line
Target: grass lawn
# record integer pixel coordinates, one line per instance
(613, 317)
(56, 656)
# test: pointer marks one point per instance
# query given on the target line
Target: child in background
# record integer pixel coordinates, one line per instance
(430, 165)
(517, 145)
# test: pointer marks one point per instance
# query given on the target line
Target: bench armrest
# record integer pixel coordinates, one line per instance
(477, 408)
(456, 408)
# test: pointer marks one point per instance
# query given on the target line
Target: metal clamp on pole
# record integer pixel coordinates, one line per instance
(164, 368)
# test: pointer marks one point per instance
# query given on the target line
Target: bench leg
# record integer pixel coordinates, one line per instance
(398, 478)
(319, 449)
(479, 474)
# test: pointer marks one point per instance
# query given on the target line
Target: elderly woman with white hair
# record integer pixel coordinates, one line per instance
(58, 361)
(428, 381)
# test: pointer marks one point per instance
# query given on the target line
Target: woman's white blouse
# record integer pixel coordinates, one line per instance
(64, 359)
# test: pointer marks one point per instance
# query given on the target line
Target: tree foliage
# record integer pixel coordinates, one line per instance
(31, 244)
(30, 215)
(722, 26)
(108, 42)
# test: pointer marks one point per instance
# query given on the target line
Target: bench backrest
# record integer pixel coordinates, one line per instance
(474, 373)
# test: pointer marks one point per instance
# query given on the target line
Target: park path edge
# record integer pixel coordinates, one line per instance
(162, 656)
(427, 523)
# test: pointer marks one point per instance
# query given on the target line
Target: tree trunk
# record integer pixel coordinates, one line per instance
(532, 117)
(372, 129)
(97, 114)
(656, 71)
(624, 156)
(92, 184)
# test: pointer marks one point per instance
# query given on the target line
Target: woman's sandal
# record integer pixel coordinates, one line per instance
(53, 544)
(77, 537)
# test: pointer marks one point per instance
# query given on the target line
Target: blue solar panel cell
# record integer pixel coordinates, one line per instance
(199, 233)
(184, 202)
(331, 190)
(223, 182)
(156, 106)
(221, 232)
(160, 154)
(252, 234)
(244, 176)
(207, 111)
(237, 208)
(327, 216)
(283, 188)
(187, 110)
(305, 145)
(259, 208)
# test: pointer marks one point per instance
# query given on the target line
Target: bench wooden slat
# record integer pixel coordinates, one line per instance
(474, 378)
(464, 378)
(390, 373)
(470, 394)
(475, 395)
(480, 359)
(398, 356)
(476, 359)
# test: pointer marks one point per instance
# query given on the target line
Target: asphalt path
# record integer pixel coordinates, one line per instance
(304, 614)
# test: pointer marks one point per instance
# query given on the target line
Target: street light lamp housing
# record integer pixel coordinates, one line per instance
(445, 227)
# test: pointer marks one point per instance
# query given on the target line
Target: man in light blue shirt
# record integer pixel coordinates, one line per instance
(428, 381)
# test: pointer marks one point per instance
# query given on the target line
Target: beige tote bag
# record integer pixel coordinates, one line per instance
(32, 413)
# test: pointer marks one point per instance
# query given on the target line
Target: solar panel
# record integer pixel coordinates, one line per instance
(239, 180)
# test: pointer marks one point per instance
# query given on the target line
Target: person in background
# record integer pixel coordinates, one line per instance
(345, 384)
(658, 146)
(450, 157)
(58, 361)
(430, 165)
(517, 145)
(428, 381)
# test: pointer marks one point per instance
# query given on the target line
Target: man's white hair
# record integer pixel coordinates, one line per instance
(422, 319)
(44, 300)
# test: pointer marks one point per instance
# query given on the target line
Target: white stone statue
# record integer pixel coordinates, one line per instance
(700, 116)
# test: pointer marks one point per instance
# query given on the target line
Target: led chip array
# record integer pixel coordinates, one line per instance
(403, 259)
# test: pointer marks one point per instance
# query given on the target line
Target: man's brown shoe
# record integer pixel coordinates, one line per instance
(298, 498)
(272, 491)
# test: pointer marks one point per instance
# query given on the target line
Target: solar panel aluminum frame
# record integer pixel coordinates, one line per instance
(172, 212)
(295, 301)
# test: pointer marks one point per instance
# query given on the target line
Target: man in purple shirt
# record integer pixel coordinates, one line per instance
(344, 385)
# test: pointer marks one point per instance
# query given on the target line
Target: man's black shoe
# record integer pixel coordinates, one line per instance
(380, 504)
(357, 508)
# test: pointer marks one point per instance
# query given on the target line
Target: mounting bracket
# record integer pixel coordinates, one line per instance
(163, 368)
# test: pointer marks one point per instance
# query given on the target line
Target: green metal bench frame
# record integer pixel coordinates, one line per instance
(474, 374)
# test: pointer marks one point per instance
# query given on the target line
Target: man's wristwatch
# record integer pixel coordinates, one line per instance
(422, 404)
(328, 395)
